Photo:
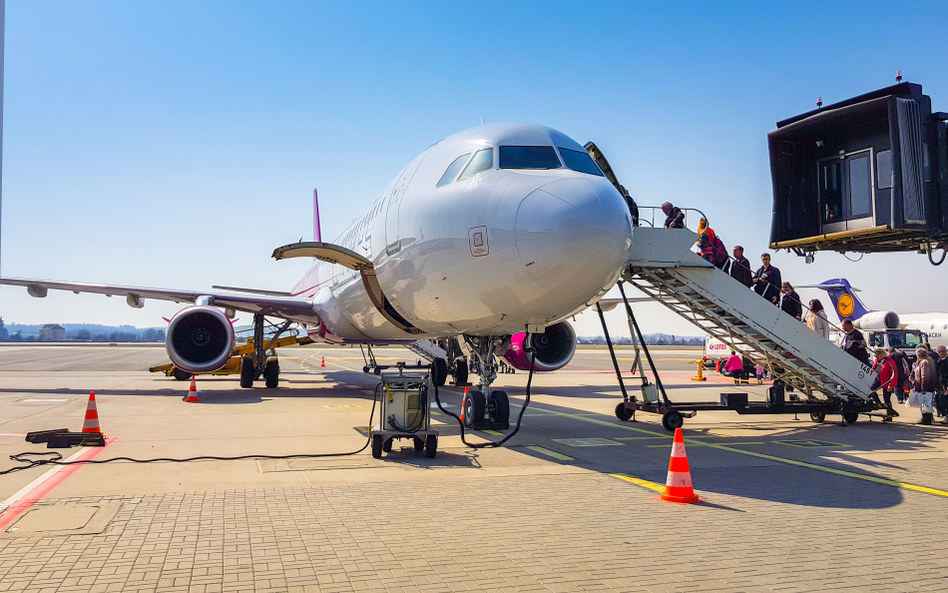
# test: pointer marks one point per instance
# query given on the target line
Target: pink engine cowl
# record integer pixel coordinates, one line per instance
(554, 348)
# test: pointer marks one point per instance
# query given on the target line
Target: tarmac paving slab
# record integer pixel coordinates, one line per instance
(790, 505)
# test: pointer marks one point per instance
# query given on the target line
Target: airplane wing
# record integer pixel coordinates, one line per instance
(287, 307)
(610, 304)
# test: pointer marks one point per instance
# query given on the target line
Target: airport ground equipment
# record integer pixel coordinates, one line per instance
(443, 356)
(828, 380)
(233, 366)
(868, 174)
(404, 413)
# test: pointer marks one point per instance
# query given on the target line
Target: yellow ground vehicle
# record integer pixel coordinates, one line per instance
(232, 366)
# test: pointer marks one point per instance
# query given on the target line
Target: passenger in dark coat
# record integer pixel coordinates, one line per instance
(853, 342)
(790, 302)
(767, 280)
(741, 268)
(674, 217)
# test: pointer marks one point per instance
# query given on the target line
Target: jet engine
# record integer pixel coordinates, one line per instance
(199, 339)
(878, 320)
(554, 348)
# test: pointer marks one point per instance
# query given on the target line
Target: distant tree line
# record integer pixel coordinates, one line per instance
(650, 339)
(83, 332)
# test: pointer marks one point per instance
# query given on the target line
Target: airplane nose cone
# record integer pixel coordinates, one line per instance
(569, 236)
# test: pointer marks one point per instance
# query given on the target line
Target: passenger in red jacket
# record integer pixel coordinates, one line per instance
(888, 379)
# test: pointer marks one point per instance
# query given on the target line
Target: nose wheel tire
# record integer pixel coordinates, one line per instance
(624, 412)
(672, 420)
(247, 371)
(498, 407)
(474, 409)
(271, 372)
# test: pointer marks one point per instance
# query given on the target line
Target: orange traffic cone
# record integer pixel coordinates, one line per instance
(91, 422)
(464, 402)
(192, 392)
(324, 362)
(678, 485)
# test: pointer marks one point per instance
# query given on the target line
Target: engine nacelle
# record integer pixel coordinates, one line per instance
(878, 320)
(199, 339)
(554, 348)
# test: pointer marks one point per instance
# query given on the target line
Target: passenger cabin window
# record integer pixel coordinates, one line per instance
(453, 169)
(528, 157)
(580, 161)
(482, 161)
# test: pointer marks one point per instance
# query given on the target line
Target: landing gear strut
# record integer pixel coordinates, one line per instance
(253, 366)
(486, 409)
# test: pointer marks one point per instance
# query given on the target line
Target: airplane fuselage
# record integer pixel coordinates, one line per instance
(487, 253)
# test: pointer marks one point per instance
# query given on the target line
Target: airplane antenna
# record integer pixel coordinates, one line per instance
(482, 120)
(819, 102)
(317, 233)
(898, 76)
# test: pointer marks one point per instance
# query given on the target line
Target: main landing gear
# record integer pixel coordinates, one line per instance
(253, 366)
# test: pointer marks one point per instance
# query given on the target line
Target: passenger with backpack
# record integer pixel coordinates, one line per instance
(710, 246)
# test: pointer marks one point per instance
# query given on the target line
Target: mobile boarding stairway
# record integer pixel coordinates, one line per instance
(828, 380)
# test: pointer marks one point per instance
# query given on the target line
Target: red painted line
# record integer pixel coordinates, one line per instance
(41, 490)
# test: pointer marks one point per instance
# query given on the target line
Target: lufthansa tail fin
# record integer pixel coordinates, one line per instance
(845, 301)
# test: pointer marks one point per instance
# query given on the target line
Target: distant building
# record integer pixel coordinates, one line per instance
(52, 332)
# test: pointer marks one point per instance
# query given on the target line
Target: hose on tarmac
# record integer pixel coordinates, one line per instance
(35, 458)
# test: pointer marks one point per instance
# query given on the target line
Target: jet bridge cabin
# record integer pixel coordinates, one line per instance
(868, 174)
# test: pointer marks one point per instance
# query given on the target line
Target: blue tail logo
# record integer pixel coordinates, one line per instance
(845, 301)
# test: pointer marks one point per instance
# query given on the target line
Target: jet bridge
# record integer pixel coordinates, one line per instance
(662, 265)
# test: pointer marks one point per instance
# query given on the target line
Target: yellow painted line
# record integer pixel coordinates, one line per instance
(821, 468)
(494, 433)
(839, 472)
(640, 482)
(290, 357)
(549, 453)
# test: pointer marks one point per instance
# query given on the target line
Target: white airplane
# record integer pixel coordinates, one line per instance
(495, 235)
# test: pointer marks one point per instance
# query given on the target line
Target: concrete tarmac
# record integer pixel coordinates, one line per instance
(569, 505)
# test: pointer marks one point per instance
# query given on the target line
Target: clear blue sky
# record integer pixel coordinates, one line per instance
(175, 144)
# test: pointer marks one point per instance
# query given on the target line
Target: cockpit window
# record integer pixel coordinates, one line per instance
(580, 161)
(453, 169)
(528, 157)
(482, 161)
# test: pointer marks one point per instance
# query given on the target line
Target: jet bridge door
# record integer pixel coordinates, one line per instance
(847, 192)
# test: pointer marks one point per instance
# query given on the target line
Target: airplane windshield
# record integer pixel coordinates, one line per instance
(528, 157)
(580, 161)
(482, 161)
(452, 170)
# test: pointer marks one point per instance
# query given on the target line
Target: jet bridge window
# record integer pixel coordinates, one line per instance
(453, 169)
(482, 161)
(580, 161)
(528, 157)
